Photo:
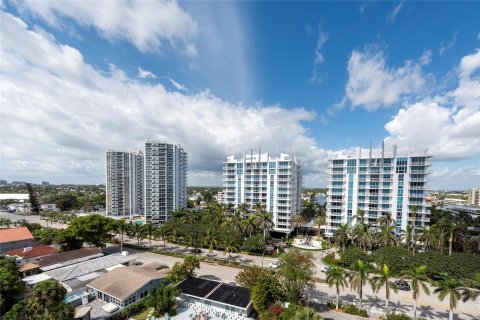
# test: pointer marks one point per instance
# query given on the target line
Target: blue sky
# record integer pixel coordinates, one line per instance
(305, 78)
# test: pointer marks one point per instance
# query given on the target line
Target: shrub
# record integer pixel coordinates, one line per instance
(398, 317)
(352, 309)
(397, 258)
(352, 255)
(289, 313)
(462, 266)
(330, 259)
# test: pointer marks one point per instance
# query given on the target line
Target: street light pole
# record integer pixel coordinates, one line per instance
(264, 254)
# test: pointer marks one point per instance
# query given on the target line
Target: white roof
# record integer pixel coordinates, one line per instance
(32, 280)
(83, 268)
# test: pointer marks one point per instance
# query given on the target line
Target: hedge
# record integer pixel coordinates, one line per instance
(352, 255)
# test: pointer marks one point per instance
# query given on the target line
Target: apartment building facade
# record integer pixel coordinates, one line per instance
(274, 182)
(474, 197)
(125, 183)
(377, 182)
(165, 180)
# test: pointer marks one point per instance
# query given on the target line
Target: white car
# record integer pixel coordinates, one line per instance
(325, 268)
(274, 265)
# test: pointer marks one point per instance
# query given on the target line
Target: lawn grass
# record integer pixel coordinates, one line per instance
(142, 315)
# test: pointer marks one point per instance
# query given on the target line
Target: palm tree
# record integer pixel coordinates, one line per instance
(382, 279)
(452, 288)
(337, 277)
(360, 216)
(297, 220)
(136, 230)
(122, 228)
(250, 224)
(362, 233)
(230, 247)
(452, 230)
(417, 275)
(358, 278)
(470, 294)
(341, 236)
(386, 235)
(306, 313)
(193, 241)
(149, 231)
(386, 219)
(211, 240)
(264, 219)
(162, 233)
(406, 235)
(244, 210)
(427, 236)
(319, 221)
(175, 237)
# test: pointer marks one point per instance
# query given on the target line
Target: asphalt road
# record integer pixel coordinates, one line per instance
(429, 306)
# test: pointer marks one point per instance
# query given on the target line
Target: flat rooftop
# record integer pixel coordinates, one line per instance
(216, 291)
(232, 295)
(197, 287)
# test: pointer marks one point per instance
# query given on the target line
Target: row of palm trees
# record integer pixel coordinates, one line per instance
(367, 236)
(161, 233)
(382, 278)
(247, 220)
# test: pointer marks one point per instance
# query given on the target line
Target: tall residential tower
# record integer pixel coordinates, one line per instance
(377, 182)
(165, 180)
(124, 187)
(276, 183)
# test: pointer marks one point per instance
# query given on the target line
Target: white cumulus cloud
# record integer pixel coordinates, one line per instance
(145, 24)
(59, 115)
(372, 84)
(448, 126)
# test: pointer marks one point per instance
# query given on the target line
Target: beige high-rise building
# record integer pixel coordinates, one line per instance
(474, 197)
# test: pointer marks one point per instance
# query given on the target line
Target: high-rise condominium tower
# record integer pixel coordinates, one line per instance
(474, 197)
(165, 180)
(275, 183)
(376, 182)
(124, 187)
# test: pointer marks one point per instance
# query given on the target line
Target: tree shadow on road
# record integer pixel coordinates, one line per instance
(374, 301)
(246, 261)
(426, 311)
(398, 306)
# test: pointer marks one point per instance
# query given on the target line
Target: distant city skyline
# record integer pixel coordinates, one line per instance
(221, 78)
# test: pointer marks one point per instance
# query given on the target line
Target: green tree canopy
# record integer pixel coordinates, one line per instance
(266, 292)
(11, 286)
(93, 229)
(162, 299)
(250, 276)
(186, 269)
(296, 272)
